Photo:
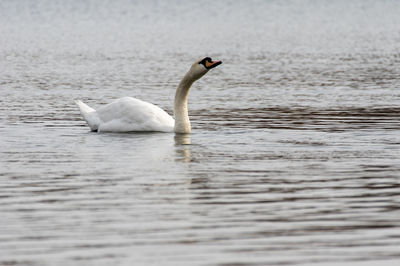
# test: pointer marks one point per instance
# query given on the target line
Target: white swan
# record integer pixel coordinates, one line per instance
(130, 114)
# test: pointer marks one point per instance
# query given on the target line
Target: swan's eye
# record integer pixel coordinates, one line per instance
(205, 60)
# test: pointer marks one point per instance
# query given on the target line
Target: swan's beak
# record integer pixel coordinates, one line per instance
(212, 64)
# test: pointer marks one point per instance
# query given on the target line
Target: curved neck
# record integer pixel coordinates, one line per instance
(182, 122)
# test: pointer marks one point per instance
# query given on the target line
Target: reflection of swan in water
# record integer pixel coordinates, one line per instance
(182, 139)
(131, 114)
(182, 143)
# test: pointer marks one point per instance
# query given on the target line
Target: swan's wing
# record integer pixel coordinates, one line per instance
(131, 114)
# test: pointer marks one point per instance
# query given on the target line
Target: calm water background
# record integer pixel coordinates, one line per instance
(294, 157)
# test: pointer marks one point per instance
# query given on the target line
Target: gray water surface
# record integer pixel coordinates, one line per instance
(294, 157)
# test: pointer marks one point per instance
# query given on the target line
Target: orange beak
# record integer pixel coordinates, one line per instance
(212, 64)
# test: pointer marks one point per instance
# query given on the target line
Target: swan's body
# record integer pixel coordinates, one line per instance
(127, 114)
(130, 114)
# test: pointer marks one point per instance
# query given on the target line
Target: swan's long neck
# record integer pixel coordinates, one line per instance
(182, 122)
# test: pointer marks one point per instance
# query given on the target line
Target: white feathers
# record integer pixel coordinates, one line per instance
(89, 114)
(125, 115)
(130, 114)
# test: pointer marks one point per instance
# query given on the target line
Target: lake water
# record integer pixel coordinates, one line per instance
(294, 157)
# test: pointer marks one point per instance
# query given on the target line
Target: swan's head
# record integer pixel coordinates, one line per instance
(202, 66)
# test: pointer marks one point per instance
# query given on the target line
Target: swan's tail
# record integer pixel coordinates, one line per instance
(89, 114)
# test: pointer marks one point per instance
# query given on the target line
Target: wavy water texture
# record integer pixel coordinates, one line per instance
(294, 156)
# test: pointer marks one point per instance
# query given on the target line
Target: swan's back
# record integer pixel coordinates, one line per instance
(126, 115)
(131, 114)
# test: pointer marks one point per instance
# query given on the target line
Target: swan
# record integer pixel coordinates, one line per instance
(129, 114)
